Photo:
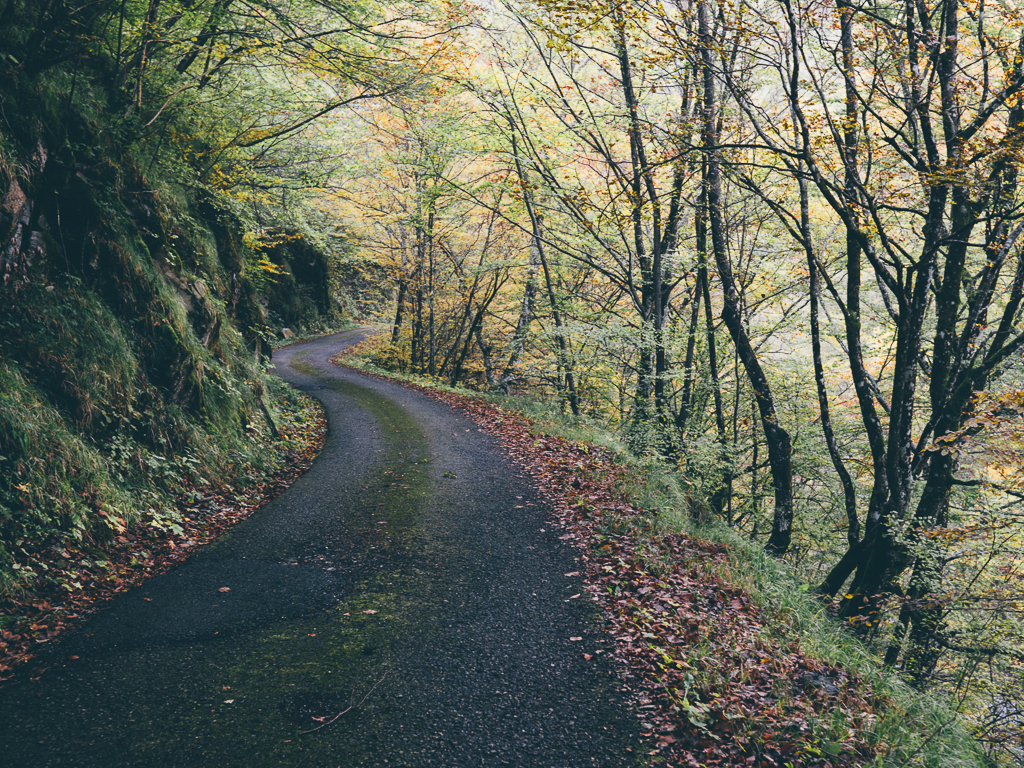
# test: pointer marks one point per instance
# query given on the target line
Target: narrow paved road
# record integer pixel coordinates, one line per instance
(411, 556)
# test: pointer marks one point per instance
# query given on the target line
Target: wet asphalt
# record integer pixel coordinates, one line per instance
(411, 574)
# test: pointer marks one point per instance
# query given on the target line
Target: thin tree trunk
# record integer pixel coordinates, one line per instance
(464, 352)
(519, 337)
(466, 314)
(849, 492)
(719, 498)
(564, 361)
(777, 439)
(431, 362)
(396, 329)
(536, 231)
(656, 289)
(416, 354)
(477, 322)
(689, 366)
(485, 354)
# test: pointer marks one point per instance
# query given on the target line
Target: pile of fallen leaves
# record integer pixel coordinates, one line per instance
(714, 686)
(79, 579)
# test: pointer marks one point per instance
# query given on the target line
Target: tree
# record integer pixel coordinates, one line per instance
(447, 255)
(918, 164)
(610, 199)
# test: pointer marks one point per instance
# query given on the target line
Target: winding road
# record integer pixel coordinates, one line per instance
(411, 574)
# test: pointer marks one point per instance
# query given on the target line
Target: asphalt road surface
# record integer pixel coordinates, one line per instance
(411, 574)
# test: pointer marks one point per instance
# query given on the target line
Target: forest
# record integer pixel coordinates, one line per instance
(774, 246)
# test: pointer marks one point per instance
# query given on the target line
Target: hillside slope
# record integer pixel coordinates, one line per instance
(133, 326)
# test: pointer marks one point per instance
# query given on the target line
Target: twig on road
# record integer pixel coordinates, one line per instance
(347, 709)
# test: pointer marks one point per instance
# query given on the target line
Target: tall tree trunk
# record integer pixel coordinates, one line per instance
(689, 364)
(519, 336)
(849, 492)
(564, 359)
(653, 369)
(460, 358)
(485, 354)
(475, 322)
(431, 360)
(396, 328)
(720, 498)
(863, 385)
(537, 240)
(416, 354)
(777, 440)
(467, 314)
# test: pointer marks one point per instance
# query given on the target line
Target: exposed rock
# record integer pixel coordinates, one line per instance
(14, 199)
(14, 258)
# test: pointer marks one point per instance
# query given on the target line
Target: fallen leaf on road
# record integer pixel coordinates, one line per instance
(224, 589)
(574, 639)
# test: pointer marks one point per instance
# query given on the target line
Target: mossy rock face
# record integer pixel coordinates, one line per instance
(134, 298)
(131, 336)
(75, 352)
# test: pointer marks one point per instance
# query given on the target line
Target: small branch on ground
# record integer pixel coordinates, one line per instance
(347, 709)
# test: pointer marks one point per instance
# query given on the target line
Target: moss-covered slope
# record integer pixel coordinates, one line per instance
(133, 336)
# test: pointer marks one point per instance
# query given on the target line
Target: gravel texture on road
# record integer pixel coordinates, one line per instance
(411, 574)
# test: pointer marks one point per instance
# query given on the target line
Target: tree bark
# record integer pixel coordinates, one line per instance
(396, 328)
(537, 241)
(777, 440)
(519, 336)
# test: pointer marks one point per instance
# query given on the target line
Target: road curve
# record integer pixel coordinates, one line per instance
(411, 574)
